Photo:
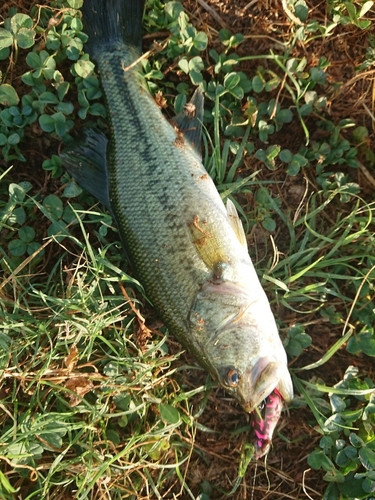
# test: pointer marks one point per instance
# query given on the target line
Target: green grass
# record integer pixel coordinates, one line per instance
(96, 400)
(85, 407)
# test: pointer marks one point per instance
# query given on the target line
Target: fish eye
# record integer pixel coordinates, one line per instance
(233, 377)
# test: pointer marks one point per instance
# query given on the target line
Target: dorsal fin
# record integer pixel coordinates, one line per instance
(86, 161)
(189, 121)
(236, 223)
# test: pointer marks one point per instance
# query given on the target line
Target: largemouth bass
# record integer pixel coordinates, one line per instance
(187, 248)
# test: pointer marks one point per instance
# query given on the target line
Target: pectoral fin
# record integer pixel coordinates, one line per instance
(208, 246)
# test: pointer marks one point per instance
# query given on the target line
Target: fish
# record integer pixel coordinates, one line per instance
(187, 248)
(263, 422)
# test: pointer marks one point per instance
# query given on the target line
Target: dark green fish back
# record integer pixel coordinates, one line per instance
(189, 251)
(152, 169)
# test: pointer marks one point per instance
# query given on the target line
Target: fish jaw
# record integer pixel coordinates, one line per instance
(261, 380)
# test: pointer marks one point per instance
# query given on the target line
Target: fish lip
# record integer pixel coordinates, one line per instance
(249, 406)
(263, 379)
(259, 381)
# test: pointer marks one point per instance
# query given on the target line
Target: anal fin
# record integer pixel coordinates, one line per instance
(189, 121)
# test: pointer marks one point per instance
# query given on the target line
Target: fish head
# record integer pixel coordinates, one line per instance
(251, 384)
(241, 344)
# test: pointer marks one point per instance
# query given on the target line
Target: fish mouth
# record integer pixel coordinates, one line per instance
(264, 377)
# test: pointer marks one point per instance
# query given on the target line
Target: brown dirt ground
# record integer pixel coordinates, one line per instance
(285, 474)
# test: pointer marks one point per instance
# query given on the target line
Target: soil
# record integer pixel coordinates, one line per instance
(285, 473)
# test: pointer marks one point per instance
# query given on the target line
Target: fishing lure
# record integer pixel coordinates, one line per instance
(264, 421)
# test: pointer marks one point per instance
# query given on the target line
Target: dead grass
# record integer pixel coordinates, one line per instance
(216, 455)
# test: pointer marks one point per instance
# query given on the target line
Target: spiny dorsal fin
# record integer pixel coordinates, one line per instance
(236, 223)
(189, 121)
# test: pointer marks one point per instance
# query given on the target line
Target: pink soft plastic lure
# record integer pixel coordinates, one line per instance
(264, 422)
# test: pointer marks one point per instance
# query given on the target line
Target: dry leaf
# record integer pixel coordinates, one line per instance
(79, 385)
(160, 100)
(71, 359)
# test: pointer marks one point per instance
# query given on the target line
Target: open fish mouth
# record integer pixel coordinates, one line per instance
(267, 376)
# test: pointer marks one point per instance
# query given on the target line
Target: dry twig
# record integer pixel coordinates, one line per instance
(213, 13)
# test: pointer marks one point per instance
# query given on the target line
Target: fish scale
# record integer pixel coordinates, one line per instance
(153, 209)
(188, 250)
(156, 190)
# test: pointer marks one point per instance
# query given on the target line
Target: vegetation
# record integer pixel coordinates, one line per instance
(96, 400)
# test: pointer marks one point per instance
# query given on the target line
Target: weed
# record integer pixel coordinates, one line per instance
(95, 399)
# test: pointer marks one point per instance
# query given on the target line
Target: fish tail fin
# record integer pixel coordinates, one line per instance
(108, 22)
